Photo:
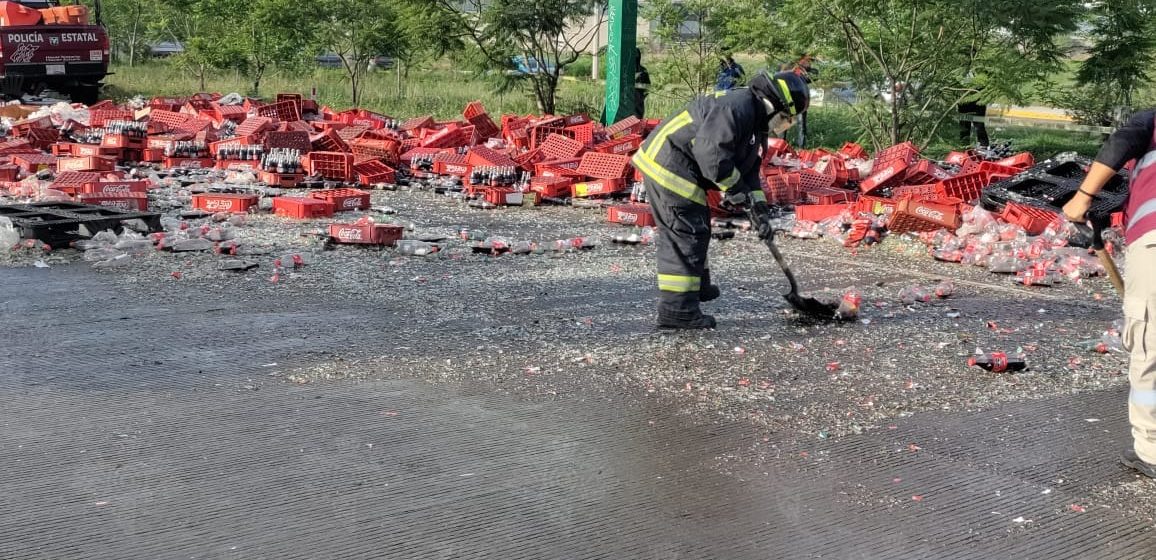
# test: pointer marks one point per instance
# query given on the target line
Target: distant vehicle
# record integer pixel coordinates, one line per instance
(531, 65)
(332, 60)
(165, 49)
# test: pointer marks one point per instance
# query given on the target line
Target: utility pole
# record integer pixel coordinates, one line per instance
(597, 42)
(623, 40)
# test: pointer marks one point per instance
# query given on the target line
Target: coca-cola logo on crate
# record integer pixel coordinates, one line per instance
(352, 234)
(351, 203)
(218, 204)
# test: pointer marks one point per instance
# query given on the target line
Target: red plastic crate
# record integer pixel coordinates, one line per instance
(917, 192)
(624, 127)
(328, 141)
(905, 152)
(366, 234)
(876, 204)
(638, 215)
(925, 171)
(625, 145)
(885, 175)
(829, 196)
(599, 188)
(810, 180)
(17, 146)
(302, 208)
(1020, 161)
(88, 163)
(336, 166)
(284, 111)
(604, 166)
(960, 158)
(1033, 220)
(374, 171)
(527, 159)
(485, 127)
(451, 136)
(552, 187)
(853, 151)
(288, 139)
(43, 138)
(967, 187)
(583, 133)
(558, 146)
(114, 188)
(31, 163)
(98, 117)
(225, 202)
(483, 156)
(782, 189)
(387, 149)
(994, 169)
(134, 202)
(911, 215)
(777, 147)
(9, 172)
(820, 212)
(343, 200)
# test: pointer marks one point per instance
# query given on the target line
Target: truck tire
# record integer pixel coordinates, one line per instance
(87, 94)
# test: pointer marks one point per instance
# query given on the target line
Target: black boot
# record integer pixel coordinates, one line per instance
(1132, 460)
(710, 292)
(680, 311)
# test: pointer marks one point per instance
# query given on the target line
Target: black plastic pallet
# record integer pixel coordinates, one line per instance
(1051, 184)
(60, 223)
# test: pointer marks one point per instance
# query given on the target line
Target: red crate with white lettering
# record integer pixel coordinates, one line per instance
(552, 187)
(604, 166)
(885, 175)
(599, 188)
(914, 215)
(1033, 220)
(373, 172)
(115, 188)
(366, 234)
(302, 208)
(281, 180)
(343, 200)
(233, 203)
(189, 163)
(87, 163)
(639, 215)
(137, 202)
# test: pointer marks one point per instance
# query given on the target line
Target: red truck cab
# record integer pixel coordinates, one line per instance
(44, 45)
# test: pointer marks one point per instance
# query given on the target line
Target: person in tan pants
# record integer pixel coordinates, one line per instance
(1136, 141)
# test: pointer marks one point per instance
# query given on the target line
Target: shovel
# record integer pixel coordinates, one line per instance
(1098, 225)
(805, 305)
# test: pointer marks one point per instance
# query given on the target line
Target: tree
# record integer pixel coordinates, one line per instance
(914, 61)
(1123, 51)
(132, 25)
(269, 33)
(545, 36)
(423, 32)
(691, 34)
(357, 31)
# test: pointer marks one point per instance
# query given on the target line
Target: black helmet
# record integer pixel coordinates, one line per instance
(786, 91)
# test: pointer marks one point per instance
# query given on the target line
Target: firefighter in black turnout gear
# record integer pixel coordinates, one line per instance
(717, 142)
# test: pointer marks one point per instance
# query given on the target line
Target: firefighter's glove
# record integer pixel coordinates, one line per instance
(760, 215)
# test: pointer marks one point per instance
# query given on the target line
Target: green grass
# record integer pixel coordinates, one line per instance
(444, 92)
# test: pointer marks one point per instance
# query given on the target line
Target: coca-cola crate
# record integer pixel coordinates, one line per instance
(1019, 161)
(1033, 220)
(960, 158)
(152, 155)
(302, 208)
(583, 133)
(284, 111)
(604, 166)
(255, 127)
(568, 164)
(558, 146)
(637, 215)
(887, 174)
(336, 166)
(133, 202)
(281, 180)
(552, 187)
(782, 188)
(374, 172)
(599, 188)
(73, 181)
(386, 149)
(917, 192)
(87, 163)
(502, 196)
(366, 234)
(417, 123)
(161, 121)
(328, 141)
(452, 136)
(9, 172)
(238, 164)
(967, 187)
(810, 180)
(225, 202)
(220, 113)
(876, 204)
(343, 200)
(829, 195)
(820, 212)
(288, 139)
(31, 163)
(115, 188)
(995, 169)
(17, 146)
(98, 117)
(925, 171)
(170, 104)
(777, 147)
(42, 138)
(455, 165)
(905, 152)
(527, 159)
(85, 150)
(851, 150)
(189, 163)
(483, 156)
(194, 125)
(558, 172)
(625, 145)
(484, 127)
(624, 127)
(914, 215)
(121, 141)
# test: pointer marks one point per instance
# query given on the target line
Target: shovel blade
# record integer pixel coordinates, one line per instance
(811, 306)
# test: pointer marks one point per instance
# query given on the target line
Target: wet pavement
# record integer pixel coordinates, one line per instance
(402, 414)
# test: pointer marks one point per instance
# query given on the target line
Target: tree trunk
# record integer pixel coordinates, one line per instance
(397, 67)
(204, 71)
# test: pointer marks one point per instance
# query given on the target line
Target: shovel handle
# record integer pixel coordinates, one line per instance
(1113, 272)
(1098, 223)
